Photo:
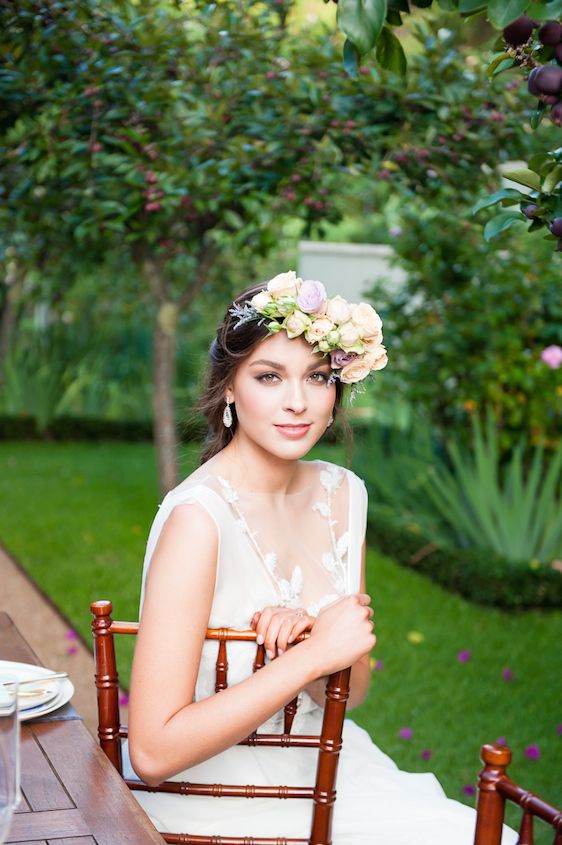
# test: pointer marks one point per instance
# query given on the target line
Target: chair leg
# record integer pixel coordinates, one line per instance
(491, 804)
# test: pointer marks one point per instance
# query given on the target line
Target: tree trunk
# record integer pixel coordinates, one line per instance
(9, 318)
(164, 360)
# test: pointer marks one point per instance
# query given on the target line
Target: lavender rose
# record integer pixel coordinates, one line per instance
(312, 298)
(341, 358)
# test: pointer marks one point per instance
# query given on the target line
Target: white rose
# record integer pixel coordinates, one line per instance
(349, 335)
(338, 310)
(376, 358)
(297, 323)
(318, 329)
(284, 284)
(356, 370)
(261, 300)
(367, 320)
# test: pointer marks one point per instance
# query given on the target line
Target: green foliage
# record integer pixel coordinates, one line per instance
(513, 510)
(467, 327)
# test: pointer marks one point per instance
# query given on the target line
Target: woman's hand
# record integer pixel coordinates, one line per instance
(278, 627)
(342, 633)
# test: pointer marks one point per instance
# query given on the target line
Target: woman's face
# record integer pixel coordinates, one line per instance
(282, 398)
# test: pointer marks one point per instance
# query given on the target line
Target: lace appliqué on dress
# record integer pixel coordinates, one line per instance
(289, 591)
(333, 561)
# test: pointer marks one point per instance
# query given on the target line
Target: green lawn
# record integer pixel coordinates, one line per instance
(77, 516)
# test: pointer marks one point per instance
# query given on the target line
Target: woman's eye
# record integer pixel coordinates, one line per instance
(268, 378)
(320, 377)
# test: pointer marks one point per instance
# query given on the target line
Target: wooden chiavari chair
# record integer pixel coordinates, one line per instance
(328, 743)
(495, 788)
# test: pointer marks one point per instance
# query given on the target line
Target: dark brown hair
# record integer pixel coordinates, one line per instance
(229, 348)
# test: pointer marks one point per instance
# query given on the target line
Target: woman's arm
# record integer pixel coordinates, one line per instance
(168, 731)
(360, 671)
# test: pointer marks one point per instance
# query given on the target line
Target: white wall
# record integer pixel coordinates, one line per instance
(347, 268)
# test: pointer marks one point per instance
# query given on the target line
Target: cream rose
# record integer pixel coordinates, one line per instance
(367, 320)
(338, 310)
(261, 300)
(356, 370)
(284, 284)
(296, 323)
(377, 358)
(318, 329)
(349, 335)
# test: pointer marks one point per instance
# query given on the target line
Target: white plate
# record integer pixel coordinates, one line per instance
(26, 671)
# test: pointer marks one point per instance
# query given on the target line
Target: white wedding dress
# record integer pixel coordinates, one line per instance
(309, 562)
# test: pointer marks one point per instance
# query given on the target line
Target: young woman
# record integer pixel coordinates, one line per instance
(257, 537)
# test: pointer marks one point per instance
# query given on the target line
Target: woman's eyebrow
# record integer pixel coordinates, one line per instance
(277, 366)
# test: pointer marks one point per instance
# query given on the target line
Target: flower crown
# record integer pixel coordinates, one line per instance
(351, 334)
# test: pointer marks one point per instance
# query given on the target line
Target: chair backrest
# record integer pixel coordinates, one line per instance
(495, 788)
(328, 743)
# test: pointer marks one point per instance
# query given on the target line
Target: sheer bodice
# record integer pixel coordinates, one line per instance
(307, 559)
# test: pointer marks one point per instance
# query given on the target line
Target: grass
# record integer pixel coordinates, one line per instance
(77, 516)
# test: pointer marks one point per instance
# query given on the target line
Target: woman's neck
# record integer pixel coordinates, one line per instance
(255, 470)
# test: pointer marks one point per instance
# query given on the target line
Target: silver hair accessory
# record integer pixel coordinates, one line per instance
(227, 415)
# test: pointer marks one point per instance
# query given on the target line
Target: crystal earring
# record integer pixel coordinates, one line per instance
(227, 415)
(330, 421)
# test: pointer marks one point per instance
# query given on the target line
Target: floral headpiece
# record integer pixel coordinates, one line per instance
(351, 334)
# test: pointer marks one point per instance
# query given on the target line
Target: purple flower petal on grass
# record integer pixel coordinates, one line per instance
(426, 754)
(124, 700)
(532, 752)
(379, 665)
(464, 656)
(559, 729)
(71, 649)
(405, 733)
(468, 789)
(71, 635)
(501, 740)
(507, 674)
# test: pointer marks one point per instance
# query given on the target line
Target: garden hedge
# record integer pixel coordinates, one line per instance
(482, 577)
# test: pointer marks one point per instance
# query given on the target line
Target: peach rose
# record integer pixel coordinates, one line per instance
(338, 310)
(367, 320)
(296, 323)
(261, 300)
(377, 358)
(318, 329)
(349, 335)
(284, 284)
(356, 370)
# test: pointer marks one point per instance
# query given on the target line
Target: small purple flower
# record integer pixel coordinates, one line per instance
(559, 729)
(532, 752)
(124, 700)
(501, 740)
(395, 231)
(71, 635)
(426, 754)
(379, 665)
(405, 733)
(507, 674)
(71, 649)
(312, 298)
(468, 789)
(464, 656)
(339, 358)
(552, 356)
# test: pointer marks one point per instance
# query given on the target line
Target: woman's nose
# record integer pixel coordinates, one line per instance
(295, 398)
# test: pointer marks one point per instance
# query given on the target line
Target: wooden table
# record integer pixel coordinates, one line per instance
(71, 794)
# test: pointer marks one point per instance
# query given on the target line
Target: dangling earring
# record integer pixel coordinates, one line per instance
(330, 421)
(227, 415)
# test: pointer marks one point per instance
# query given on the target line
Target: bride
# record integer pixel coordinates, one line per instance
(257, 537)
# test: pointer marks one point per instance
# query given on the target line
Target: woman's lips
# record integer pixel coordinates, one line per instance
(293, 432)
